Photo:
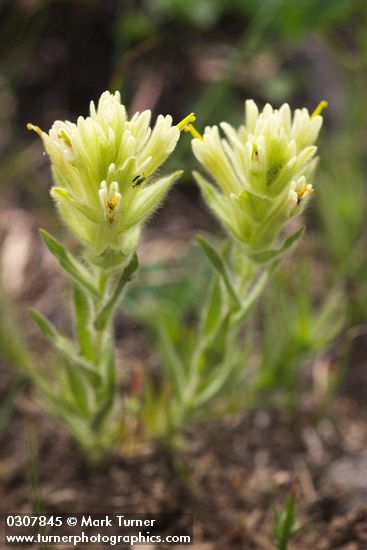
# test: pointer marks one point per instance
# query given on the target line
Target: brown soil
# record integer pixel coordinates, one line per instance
(231, 476)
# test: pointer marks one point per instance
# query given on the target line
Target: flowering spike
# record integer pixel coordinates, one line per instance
(261, 172)
(321, 106)
(109, 147)
(34, 128)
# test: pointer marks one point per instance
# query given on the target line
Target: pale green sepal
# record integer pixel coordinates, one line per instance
(63, 345)
(110, 259)
(220, 266)
(147, 200)
(273, 254)
(106, 313)
(253, 207)
(215, 200)
(124, 174)
(75, 269)
(62, 195)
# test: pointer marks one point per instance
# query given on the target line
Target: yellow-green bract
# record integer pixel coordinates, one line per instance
(102, 168)
(263, 170)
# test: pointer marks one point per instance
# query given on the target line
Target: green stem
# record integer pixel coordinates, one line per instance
(242, 275)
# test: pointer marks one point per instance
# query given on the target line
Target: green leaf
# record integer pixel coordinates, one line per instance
(215, 384)
(252, 296)
(74, 268)
(83, 315)
(78, 389)
(220, 266)
(63, 345)
(171, 360)
(105, 314)
(218, 377)
(212, 310)
(276, 253)
(329, 320)
(109, 390)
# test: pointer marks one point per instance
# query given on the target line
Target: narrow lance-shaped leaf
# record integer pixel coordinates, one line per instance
(212, 309)
(109, 389)
(83, 327)
(215, 383)
(171, 360)
(76, 385)
(274, 254)
(219, 265)
(63, 345)
(75, 269)
(106, 313)
(252, 297)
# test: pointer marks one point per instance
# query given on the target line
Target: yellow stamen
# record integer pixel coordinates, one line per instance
(113, 202)
(36, 129)
(193, 131)
(307, 188)
(321, 106)
(63, 135)
(185, 121)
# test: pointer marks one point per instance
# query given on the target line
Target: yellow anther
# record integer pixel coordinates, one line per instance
(185, 121)
(111, 208)
(113, 202)
(307, 188)
(193, 131)
(321, 106)
(36, 129)
(255, 152)
(63, 135)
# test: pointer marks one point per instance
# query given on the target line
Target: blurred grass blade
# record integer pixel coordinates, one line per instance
(215, 384)
(75, 269)
(32, 469)
(8, 404)
(171, 360)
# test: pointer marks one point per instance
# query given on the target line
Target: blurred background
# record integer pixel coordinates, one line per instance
(305, 385)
